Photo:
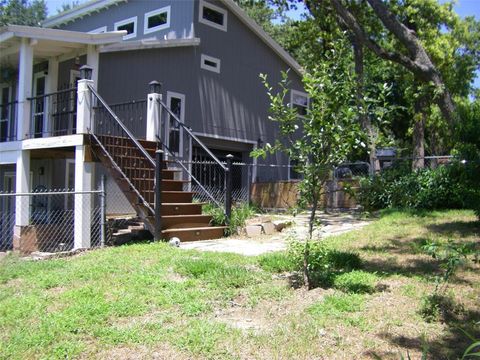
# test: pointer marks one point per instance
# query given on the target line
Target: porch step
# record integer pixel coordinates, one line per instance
(173, 185)
(177, 196)
(182, 209)
(196, 233)
(178, 221)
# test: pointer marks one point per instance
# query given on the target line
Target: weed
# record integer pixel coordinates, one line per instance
(276, 262)
(356, 282)
(239, 215)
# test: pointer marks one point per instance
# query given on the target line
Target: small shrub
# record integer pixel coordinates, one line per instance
(356, 282)
(323, 263)
(437, 307)
(239, 216)
(276, 262)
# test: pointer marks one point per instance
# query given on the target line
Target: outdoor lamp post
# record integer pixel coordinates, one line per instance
(86, 72)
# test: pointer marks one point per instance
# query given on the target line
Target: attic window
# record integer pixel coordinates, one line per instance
(130, 25)
(300, 102)
(156, 20)
(210, 63)
(212, 15)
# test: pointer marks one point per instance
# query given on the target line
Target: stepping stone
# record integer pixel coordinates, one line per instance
(268, 228)
(253, 230)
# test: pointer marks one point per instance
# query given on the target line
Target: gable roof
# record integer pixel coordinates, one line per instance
(97, 5)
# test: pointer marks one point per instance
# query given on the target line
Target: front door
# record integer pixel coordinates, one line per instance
(6, 113)
(38, 104)
(174, 135)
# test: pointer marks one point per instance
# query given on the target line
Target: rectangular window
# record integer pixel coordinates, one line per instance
(292, 173)
(99, 30)
(300, 102)
(156, 20)
(130, 25)
(210, 63)
(212, 15)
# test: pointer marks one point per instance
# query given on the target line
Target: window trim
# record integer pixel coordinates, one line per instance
(201, 19)
(125, 22)
(146, 29)
(215, 69)
(100, 30)
(170, 96)
(300, 93)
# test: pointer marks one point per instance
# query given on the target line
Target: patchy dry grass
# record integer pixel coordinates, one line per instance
(153, 301)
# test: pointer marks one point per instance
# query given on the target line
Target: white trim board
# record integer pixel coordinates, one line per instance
(134, 20)
(149, 44)
(204, 4)
(204, 58)
(146, 29)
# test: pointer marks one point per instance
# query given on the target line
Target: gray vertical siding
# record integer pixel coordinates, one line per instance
(232, 104)
(181, 18)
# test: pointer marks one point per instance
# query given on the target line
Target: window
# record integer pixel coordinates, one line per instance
(156, 20)
(128, 24)
(210, 63)
(99, 30)
(176, 103)
(212, 15)
(292, 173)
(300, 102)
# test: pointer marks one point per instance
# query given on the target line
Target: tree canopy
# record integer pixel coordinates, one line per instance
(22, 12)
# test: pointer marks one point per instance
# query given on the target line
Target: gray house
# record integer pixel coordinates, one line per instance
(207, 55)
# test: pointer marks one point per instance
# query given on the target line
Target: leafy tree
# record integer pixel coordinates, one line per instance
(68, 6)
(324, 136)
(22, 12)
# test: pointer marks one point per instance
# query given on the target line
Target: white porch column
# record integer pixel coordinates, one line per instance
(93, 61)
(154, 109)
(22, 185)
(25, 76)
(84, 108)
(51, 84)
(83, 202)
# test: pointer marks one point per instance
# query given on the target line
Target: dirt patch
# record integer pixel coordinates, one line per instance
(159, 352)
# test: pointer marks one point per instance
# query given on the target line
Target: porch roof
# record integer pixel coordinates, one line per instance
(49, 43)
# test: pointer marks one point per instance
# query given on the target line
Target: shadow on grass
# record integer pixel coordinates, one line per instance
(449, 346)
(457, 229)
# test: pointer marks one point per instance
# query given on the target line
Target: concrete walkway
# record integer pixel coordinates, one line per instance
(333, 224)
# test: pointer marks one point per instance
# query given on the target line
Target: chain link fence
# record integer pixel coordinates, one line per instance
(51, 224)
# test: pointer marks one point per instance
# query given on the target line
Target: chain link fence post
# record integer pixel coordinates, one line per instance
(103, 211)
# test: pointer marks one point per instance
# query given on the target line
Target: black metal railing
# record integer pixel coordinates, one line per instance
(181, 140)
(133, 115)
(125, 152)
(53, 114)
(8, 121)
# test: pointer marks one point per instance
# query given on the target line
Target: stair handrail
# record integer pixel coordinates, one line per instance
(188, 172)
(122, 125)
(192, 135)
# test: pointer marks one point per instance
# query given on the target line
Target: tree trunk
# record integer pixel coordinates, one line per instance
(306, 250)
(419, 134)
(358, 56)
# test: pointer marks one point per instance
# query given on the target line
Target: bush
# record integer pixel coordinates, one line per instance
(240, 214)
(452, 186)
(323, 263)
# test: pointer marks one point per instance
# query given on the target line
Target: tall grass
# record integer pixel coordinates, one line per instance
(240, 214)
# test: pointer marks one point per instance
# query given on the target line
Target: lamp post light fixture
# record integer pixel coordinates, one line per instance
(86, 72)
(155, 87)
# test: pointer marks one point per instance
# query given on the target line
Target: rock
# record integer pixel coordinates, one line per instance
(281, 224)
(253, 230)
(268, 228)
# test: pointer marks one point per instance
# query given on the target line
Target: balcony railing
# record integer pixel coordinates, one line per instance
(53, 114)
(8, 121)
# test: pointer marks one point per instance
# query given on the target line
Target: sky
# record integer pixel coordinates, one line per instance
(463, 8)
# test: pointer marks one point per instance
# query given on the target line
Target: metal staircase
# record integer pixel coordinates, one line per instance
(136, 165)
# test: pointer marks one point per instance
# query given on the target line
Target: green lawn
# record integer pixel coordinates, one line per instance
(147, 300)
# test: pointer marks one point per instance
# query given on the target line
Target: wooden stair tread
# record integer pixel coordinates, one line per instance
(183, 216)
(194, 229)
